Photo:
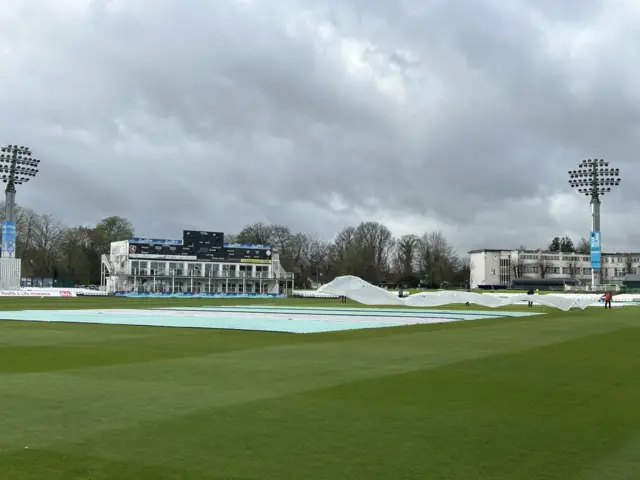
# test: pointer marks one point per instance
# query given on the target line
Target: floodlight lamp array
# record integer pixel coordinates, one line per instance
(594, 177)
(17, 166)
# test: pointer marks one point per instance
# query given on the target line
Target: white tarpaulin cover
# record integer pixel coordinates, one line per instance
(363, 292)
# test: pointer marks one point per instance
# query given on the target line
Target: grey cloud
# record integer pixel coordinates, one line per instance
(184, 114)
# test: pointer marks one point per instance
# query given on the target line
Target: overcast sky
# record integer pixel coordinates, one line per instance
(463, 116)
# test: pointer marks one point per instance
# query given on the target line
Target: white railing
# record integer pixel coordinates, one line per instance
(588, 288)
(282, 274)
(201, 274)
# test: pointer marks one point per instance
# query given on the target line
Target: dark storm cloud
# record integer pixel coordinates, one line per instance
(461, 115)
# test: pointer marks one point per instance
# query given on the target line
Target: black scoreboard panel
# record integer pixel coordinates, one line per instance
(240, 254)
(197, 238)
(203, 252)
(146, 249)
(209, 253)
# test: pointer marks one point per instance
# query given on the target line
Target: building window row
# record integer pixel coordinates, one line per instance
(190, 269)
(607, 259)
(195, 266)
(167, 286)
(551, 270)
(555, 258)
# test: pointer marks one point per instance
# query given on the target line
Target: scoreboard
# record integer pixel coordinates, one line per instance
(194, 238)
(207, 246)
(142, 250)
(247, 255)
(198, 245)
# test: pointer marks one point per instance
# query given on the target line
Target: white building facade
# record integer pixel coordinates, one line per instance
(176, 266)
(501, 267)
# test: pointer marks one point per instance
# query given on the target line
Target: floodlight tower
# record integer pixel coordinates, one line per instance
(594, 178)
(17, 166)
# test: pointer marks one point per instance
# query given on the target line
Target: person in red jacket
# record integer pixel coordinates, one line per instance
(607, 299)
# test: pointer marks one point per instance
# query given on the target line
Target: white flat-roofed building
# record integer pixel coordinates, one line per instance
(192, 265)
(500, 267)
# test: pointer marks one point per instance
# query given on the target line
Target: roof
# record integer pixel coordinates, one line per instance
(497, 250)
(543, 281)
(484, 250)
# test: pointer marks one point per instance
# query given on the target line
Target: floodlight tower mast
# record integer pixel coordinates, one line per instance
(17, 166)
(594, 179)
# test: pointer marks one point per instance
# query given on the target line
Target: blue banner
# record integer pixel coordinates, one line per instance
(253, 246)
(9, 238)
(155, 241)
(595, 249)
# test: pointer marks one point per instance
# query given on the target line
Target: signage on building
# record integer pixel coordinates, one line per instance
(247, 245)
(595, 249)
(9, 238)
(37, 293)
(253, 260)
(154, 241)
(152, 256)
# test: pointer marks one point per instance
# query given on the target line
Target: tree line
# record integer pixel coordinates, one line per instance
(50, 249)
(368, 250)
(565, 244)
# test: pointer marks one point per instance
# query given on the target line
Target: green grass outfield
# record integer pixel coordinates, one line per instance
(554, 397)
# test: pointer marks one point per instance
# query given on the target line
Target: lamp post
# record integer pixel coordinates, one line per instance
(594, 178)
(17, 166)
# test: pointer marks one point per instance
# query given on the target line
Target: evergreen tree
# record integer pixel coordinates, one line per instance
(566, 244)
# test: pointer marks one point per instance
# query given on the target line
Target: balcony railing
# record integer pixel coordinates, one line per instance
(208, 274)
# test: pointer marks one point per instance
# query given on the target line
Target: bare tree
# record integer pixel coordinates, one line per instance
(294, 259)
(230, 237)
(628, 263)
(375, 243)
(280, 238)
(317, 256)
(406, 254)
(438, 259)
(75, 248)
(256, 233)
(543, 266)
(343, 253)
(47, 238)
(463, 272)
(573, 269)
(26, 222)
(583, 246)
(517, 265)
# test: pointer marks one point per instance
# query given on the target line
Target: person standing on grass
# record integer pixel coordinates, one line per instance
(607, 299)
(530, 292)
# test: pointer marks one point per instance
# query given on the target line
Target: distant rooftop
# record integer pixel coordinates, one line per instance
(498, 250)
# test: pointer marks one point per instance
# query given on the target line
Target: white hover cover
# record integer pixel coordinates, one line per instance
(363, 292)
